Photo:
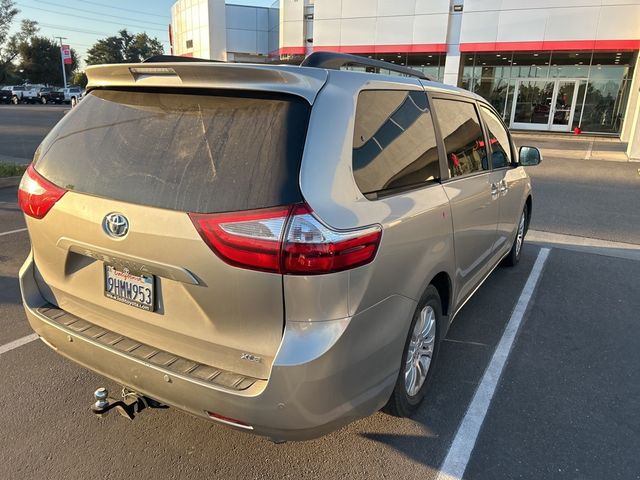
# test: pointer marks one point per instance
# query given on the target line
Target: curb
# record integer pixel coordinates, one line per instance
(10, 181)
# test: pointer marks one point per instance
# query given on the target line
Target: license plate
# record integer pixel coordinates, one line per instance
(136, 290)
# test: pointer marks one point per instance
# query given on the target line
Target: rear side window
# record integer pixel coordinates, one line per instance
(462, 135)
(197, 153)
(498, 138)
(394, 143)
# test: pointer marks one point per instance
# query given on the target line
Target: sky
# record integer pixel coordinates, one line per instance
(85, 21)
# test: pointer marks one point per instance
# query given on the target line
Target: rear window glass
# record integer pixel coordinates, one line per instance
(197, 153)
(394, 142)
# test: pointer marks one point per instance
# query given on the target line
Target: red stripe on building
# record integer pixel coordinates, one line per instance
(291, 51)
(550, 45)
(406, 48)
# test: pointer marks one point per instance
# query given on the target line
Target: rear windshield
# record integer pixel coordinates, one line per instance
(197, 153)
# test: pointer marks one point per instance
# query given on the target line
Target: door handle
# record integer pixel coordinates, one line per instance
(494, 189)
(503, 187)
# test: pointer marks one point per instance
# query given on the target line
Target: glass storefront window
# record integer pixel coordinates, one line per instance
(530, 65)
(494, 90)
(431, 64)
(553, 89)
(602, 113)
(570, 64)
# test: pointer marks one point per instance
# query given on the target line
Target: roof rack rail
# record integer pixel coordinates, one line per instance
(176, 58)
(334, 61)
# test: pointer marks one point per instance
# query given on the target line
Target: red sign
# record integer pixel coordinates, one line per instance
(66, 54)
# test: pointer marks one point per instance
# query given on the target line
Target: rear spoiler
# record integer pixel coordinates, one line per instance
(294, 80)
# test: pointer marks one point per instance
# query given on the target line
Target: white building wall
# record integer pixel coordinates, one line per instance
(370, 26)
(292, 26)
(544, 23)
(199, 29)
(247, 30)
(224, 32)
(365, 26)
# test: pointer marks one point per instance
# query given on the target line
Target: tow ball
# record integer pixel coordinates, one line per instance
(131, 404)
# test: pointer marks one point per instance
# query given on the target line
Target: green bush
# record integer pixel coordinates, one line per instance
(11, 170)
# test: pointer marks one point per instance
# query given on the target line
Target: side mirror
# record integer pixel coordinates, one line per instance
(530, 156)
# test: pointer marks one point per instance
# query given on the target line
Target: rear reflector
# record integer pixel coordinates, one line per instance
(229, 421)
(287, 240)
(36, 195)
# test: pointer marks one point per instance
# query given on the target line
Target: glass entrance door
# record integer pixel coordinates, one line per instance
(564, 102)
(544, 104)
(532, 105)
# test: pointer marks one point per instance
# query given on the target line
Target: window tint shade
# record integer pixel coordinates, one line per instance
(394, 143)
(462, 135)
(196, 153)
(498, 139)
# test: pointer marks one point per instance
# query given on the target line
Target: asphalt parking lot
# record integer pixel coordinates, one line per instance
(565, 406)
(22, 128)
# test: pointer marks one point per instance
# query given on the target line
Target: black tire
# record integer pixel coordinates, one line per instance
(401, 404)
(512, 259)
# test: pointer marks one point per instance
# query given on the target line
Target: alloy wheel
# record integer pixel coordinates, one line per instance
(420, 351)
(520, 237)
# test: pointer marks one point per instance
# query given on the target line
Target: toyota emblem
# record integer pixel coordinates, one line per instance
(116, 225)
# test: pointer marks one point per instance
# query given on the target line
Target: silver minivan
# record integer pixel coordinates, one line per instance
(276, 248)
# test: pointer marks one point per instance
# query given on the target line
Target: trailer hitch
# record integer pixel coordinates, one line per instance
(131, 404)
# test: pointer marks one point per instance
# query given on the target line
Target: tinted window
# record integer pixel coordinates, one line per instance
(394, 144)
(462, 135)
(498, 138)
(197, 153)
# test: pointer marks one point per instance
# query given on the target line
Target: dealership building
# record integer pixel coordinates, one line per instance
(549, 65)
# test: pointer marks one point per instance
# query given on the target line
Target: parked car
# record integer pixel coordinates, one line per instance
(25, 94)
(280, 249)
(73, 95)
(51, 95)
(5, 94)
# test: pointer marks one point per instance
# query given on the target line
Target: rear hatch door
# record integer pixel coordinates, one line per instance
(151, 157)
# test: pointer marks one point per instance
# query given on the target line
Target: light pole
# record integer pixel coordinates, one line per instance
(64, 73)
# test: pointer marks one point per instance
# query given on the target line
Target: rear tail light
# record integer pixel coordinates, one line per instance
(36, 195)
(287, 240)
(245, 239)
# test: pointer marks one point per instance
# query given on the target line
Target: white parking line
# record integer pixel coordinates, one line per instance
(17, 343)
(459, 453)
(2, 234)
(577, 243)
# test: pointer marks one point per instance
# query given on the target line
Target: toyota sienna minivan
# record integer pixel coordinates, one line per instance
(277, 248)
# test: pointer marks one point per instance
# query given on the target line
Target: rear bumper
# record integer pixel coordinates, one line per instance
(325, 375)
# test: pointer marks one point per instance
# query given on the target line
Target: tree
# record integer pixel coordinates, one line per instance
(124, 48)
(40, 60)
(79, 78)
(8, 11)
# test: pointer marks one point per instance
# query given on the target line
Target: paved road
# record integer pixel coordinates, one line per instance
(22, 128)
(590, 198)
(566, 406)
